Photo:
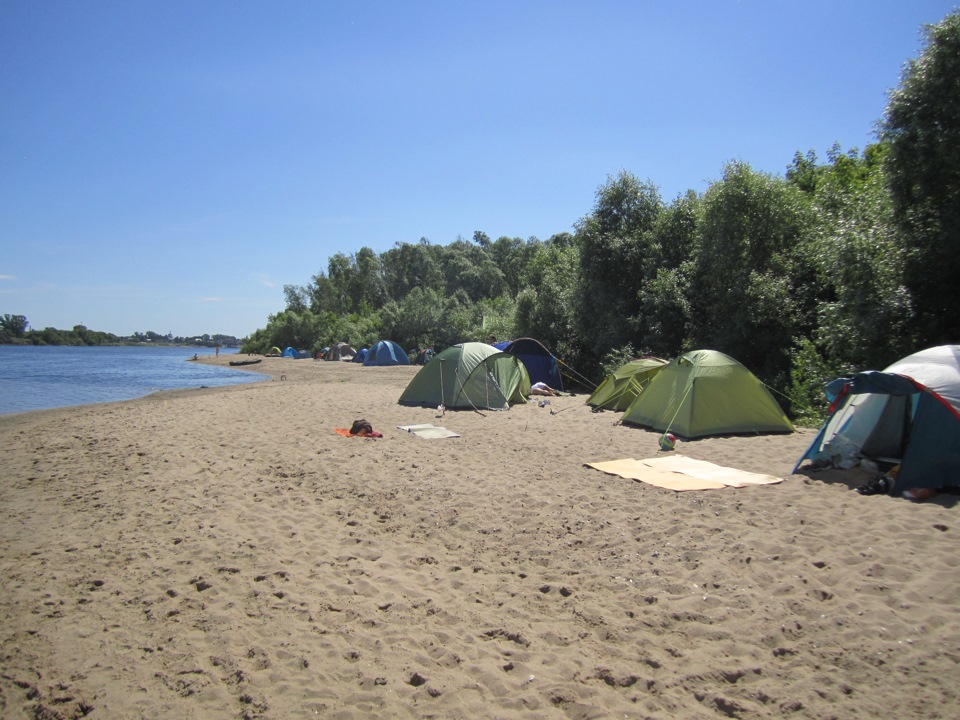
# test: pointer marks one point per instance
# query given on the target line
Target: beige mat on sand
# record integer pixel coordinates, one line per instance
(429, 432)
(676, 472)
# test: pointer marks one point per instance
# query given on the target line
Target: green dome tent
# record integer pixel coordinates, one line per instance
(619, 389)
(472, 375)
(705, 392)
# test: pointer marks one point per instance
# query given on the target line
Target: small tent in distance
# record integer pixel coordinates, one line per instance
(541, 365)
(621, 387)
(340, 351)
(909, 414)
(384, 353)
(469, 376)
(705, 392)
(424, 356)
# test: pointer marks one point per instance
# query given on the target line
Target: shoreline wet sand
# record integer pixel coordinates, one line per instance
(223, 553)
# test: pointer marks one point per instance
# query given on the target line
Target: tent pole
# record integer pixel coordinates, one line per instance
(442, 399)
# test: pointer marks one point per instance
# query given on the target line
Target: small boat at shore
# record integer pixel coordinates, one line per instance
(234, 363)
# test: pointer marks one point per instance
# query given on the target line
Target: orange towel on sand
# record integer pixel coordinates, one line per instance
(346, 433)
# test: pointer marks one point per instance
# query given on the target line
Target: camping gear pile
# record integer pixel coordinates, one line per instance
(360, 428)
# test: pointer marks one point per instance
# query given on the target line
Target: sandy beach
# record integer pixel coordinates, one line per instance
(223, 553)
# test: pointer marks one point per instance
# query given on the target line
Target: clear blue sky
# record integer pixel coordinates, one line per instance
(170, 165)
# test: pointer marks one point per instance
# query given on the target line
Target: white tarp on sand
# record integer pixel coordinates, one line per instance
(428, 431)
(680, 473)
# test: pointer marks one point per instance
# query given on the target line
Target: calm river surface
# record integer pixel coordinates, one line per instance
(41, 377)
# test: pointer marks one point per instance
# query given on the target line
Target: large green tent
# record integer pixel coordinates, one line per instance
(471, 375)
(619, 389)
(705, 392)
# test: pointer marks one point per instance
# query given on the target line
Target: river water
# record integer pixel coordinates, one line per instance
(41, 377)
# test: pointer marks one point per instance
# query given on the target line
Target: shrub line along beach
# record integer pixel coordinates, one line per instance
(224, 553)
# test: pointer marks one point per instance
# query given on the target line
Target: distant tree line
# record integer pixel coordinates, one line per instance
(840, 265)
(15, 330)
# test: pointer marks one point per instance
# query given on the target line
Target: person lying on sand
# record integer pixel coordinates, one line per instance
(541, 388)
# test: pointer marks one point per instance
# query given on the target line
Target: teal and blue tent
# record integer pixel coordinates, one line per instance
(290, 352)
(908, 415)
(386, 352)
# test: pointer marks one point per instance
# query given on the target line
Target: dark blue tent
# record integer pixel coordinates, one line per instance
(540, 364)
(908, 415)
(386, 352)
(361, 355)
(290, 352)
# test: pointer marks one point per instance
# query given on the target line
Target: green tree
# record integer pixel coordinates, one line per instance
(414, 322)
(52, 336)
(290, 328)
(469, 268)
(665, 315)
(741, 274)
(495, 316)
(804, 172)
(340, 282)
(512, 256)
(666, 309)
(863, 311)
(13, 326)
(615, 250)
(458, 321)
(369, 290)
(922, 128)
(406, 267)
(297, 298)
(548, 303)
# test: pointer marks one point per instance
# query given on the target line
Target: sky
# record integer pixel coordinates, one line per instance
(170, 165)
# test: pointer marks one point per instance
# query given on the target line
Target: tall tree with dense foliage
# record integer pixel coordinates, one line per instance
(615, 251)
(469, 268)
(741, 289)
(414, 319)
(665, 293)
(547, 304)
(863, 308)
(407, 266)
(922, 128)
(12, 326)
(512, 256)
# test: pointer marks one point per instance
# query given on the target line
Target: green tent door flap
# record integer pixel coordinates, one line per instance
(705, 392)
